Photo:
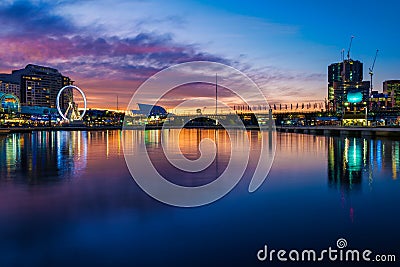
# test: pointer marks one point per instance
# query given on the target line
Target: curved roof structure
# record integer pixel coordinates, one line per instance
(150, 110)
(9, 102)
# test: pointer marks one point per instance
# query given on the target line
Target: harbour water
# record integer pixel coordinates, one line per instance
(67, 199)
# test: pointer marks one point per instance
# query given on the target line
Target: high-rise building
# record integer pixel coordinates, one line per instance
(10, 88)
(392, 89)
(380, 101)
(345, 71)
(39, 85)
(345, 80)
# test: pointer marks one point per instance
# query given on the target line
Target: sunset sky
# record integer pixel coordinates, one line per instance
(110, 47)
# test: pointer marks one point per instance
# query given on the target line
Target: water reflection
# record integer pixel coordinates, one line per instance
(51, 156)
(352, 160)
(345, 162)
(42, 156)
(166, 146)
(85, 210)
(183, 142)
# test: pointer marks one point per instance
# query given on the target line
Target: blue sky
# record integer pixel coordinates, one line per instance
(310, 34)
(285, 46)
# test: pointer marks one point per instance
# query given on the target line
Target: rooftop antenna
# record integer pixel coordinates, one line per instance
(371, 69)
(348, 51)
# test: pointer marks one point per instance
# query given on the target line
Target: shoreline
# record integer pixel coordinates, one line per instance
(316, 130)
(64, 128)
(103, 128)
(343, 131)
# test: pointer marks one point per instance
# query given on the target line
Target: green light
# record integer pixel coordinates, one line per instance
(354, 97)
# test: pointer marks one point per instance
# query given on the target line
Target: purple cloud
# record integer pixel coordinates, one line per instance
(105, 65)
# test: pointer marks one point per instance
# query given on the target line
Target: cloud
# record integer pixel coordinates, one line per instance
(27, 18)
(105, 64)
(34, 34)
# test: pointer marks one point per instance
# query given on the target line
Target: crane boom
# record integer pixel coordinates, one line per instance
(348, 51)
(371, 69)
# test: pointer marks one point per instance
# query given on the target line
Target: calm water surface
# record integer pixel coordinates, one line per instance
(67, 199)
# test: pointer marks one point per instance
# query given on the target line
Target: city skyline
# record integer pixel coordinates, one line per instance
(110, 52)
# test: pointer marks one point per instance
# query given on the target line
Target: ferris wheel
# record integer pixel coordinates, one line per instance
(66, 97)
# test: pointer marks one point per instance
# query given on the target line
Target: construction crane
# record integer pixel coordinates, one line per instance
(343, 73)
(348, 51)
(371, 69)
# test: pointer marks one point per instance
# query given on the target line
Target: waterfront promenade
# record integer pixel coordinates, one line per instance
(56, 128)
(317, 130)
(337, 130)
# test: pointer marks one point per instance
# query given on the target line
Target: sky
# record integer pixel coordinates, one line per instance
(110, 48)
